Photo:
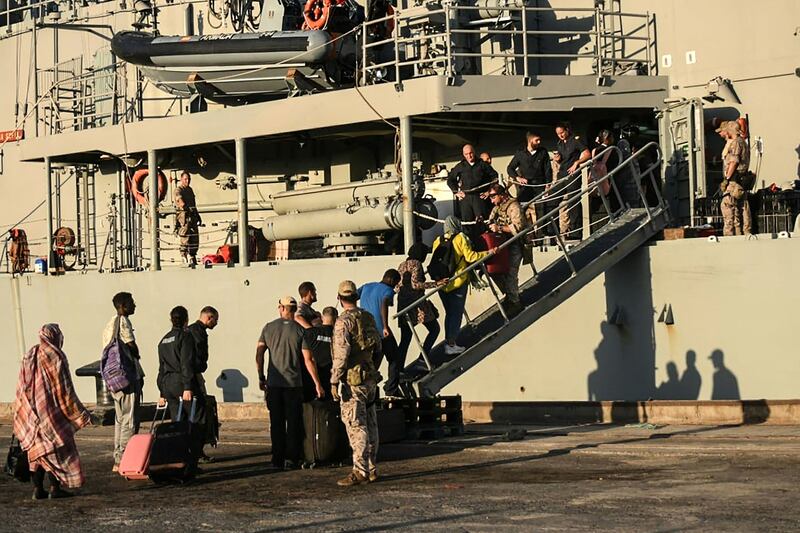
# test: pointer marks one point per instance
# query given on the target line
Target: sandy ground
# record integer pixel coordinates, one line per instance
(575, 478)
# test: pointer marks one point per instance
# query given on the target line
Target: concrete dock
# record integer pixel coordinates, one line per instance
(492, 478)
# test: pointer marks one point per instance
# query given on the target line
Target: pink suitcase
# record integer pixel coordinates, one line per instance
(135, 460)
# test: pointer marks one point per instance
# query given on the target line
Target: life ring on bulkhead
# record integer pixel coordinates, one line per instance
(316, 14)
(137, 186)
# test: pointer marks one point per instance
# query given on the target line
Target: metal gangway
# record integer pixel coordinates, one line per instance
(617, 235)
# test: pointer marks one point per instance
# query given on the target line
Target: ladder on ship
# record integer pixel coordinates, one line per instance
(86, 215)
(624, 231)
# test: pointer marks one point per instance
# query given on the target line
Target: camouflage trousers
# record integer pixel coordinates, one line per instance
(361, 422)
(189, 234)
(735, 211)
(509, 282)
(568, 220)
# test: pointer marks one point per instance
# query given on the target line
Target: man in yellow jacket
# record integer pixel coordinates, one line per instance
(454, 295)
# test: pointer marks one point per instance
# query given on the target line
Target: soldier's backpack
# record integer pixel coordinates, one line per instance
(365, 336)
(443, 261)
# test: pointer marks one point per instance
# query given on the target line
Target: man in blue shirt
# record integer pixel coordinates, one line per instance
(376, 298)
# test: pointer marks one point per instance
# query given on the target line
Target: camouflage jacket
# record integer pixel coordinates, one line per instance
(343, 345)
(738, 151)
(509, 213)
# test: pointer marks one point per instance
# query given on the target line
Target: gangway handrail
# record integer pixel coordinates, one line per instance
(549, 218)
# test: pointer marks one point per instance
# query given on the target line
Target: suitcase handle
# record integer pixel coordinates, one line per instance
(155, 416)
(191, 411)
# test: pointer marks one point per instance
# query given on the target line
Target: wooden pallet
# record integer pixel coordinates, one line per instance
(430, 418)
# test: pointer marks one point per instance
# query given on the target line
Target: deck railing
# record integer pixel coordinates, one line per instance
(444, 38)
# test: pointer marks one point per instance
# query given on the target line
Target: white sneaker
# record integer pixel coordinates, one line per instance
(454, 349)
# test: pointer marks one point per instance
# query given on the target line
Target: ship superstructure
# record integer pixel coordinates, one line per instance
(311, 129)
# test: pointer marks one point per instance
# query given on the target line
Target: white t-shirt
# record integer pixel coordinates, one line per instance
(125, 330)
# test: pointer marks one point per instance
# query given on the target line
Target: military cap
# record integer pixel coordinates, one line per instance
(347, 289)
(722, 126)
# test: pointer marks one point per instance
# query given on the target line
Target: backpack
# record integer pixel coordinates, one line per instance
(599, 171)
(116, 366)
(365, 336)
(443, 261)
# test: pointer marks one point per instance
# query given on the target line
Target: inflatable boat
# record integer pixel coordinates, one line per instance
(242, 67)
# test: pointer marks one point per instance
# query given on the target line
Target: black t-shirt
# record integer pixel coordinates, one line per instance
(465, 177)
(534, 167)
(285, 340)
(319, 339)
(570, 151)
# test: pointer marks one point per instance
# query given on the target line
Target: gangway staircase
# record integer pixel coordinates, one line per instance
(626, 230)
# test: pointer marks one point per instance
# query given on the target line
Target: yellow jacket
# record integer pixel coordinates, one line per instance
(465, 256)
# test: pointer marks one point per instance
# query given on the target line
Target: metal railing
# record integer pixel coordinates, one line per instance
(76, 98)
(570, 200)
(443, 38)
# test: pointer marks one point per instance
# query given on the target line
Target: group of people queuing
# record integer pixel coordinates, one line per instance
(48, 412)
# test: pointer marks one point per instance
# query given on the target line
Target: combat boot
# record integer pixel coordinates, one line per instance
(373, 476)
(353, 478)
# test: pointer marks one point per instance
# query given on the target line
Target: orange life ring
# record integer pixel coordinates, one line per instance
(316, 14)
(137, 188)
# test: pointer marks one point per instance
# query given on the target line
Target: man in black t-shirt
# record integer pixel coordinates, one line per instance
(570, 154)
(531, 170)
(289, 350)
(319, 338)
(469, 180)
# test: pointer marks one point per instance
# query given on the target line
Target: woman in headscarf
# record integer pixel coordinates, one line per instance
(47, 413)
(412, 286)
(454, 295)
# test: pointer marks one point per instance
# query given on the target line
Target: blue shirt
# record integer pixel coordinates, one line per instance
(372, 296)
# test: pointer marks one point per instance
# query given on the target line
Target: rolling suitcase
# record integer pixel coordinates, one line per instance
(325, 437)
(136, 457)
(170, 458)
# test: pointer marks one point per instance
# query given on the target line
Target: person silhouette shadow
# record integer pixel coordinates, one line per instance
(726, 386)
(690, 380)
(669, 390)
(232, 382)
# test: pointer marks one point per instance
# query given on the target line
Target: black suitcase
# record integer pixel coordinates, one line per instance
(17, 461)
(170, 458)
(325, 438)
(212, 422)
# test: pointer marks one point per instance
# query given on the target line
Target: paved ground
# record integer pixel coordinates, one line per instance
(575, 478)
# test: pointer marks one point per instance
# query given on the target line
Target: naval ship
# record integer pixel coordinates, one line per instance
(318, 136)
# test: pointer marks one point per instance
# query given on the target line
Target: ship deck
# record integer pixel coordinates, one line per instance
(419, 96)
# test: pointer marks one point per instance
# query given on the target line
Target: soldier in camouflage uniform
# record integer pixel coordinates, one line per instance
(735, 162)
(187, 220)
(355, 342)
(507, 217)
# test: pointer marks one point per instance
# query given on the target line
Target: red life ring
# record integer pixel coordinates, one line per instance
(316, 14)
(137, 186)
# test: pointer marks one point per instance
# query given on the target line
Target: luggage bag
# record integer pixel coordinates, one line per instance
(325, 437)
(135, 460)
(170, 458)
(17, 461)
(499, 264)
(212, 421)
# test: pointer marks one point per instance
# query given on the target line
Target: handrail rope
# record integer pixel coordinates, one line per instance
(546, 219)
